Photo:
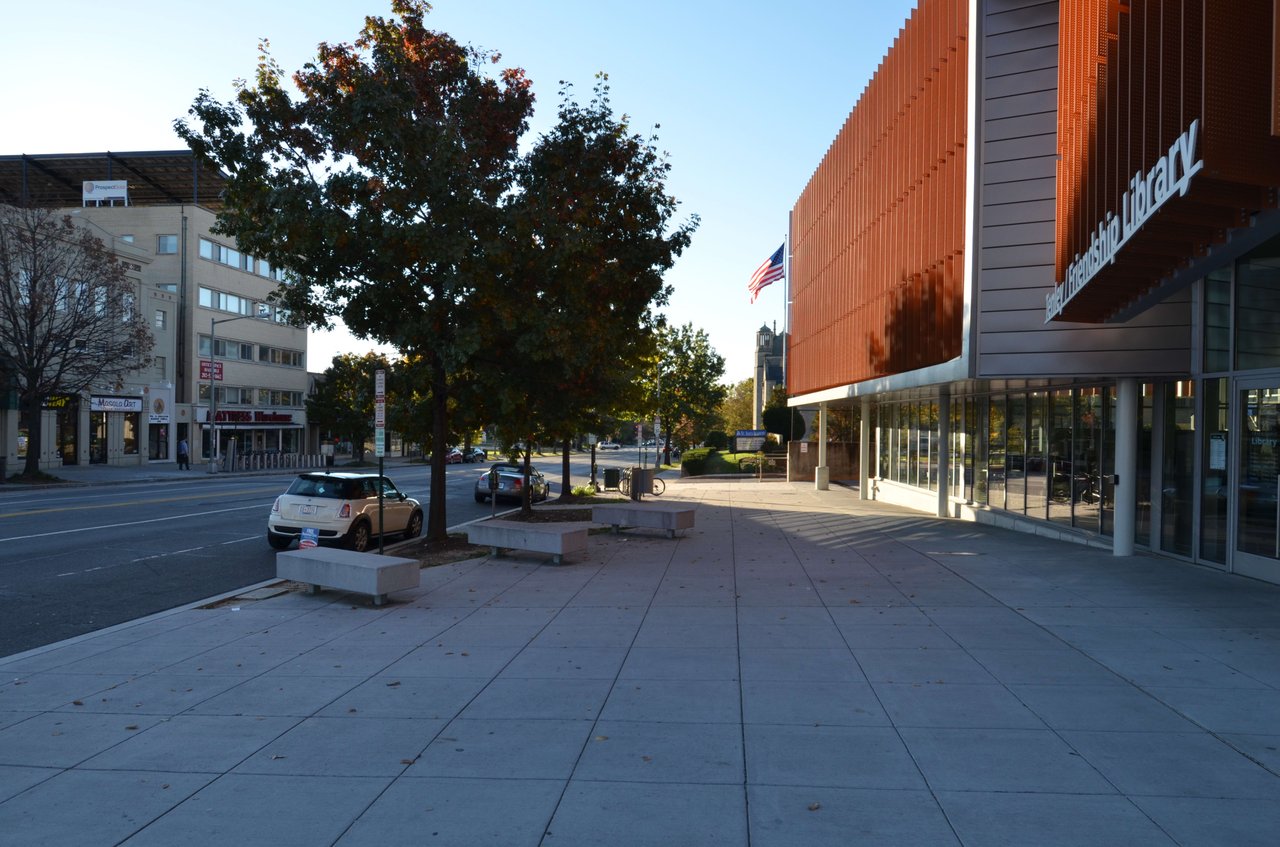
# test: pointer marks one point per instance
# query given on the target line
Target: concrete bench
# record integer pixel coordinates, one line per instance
(650, 515)
(558, 539)
(365, 573)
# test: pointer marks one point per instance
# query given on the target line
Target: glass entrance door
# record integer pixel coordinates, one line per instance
(1257, 512)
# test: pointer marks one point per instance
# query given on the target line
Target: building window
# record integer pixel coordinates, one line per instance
(161, 364)
(211, 299)
(228, 349)
(166, 244)
(276, 356)
(127, 239)
(162, 318)
(130, 420)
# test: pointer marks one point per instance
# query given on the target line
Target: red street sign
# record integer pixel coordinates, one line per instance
(205, 369)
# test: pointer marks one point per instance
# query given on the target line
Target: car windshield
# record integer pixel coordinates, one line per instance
(508, 469)
(320, 486)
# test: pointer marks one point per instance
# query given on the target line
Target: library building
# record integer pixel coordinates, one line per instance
(1040, 264)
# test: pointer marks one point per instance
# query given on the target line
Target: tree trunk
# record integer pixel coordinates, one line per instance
(566, 483)
(526, 496)
(436, 528)
(35, 435)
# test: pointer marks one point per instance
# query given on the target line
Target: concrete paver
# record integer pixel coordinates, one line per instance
(800, 668)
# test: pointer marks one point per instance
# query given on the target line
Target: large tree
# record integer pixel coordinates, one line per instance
(589, 236)
(738, 407)
(69, 315)
(343, 403)
(377, 187)
(688, 386)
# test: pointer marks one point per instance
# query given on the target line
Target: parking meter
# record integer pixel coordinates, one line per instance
(493, 491)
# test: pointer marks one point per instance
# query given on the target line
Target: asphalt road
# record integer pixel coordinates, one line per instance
(77, 560)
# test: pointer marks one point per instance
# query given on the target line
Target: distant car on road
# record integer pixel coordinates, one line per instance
(511, 484)
(343, 507)
(608, 445)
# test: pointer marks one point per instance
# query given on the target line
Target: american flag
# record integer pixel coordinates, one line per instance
(767, 273)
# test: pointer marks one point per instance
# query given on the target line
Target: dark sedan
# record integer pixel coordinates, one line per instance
(511, 484)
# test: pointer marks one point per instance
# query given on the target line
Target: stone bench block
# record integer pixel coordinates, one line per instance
(650, 515)
(558, 539)
(365, 573)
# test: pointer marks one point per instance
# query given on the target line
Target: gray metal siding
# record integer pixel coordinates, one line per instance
(1018, 120)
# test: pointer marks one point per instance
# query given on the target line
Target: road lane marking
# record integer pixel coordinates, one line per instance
(130, 523)
(201, 496)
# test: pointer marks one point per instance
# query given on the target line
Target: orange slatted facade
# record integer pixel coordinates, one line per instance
(1133, 77)
(877, 236)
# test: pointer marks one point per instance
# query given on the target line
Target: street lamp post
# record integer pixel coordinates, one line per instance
(215, 452)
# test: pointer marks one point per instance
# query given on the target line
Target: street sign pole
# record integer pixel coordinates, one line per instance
(380, 439)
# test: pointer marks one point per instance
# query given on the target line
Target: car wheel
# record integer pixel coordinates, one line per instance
(279, 542)
(359, 536)
(414, 529)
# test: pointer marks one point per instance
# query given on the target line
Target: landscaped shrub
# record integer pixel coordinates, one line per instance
(717, 440)
(694, 461)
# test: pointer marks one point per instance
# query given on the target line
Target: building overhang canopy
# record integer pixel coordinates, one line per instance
(161, 177)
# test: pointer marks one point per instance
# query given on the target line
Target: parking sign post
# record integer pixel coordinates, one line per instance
(380, 436)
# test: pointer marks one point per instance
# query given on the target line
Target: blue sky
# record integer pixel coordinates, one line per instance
(748, 96)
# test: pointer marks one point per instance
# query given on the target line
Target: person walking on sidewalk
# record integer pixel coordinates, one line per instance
(184, 456)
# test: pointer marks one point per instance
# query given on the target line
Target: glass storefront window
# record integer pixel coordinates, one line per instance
(130, 432)
(1178, 480)
(904, 442)
(1037, 489)
(1146, 428)
(1062, 471)
(981, 469)
(995, 452)
(929, 446)
(1217, 320)
(1015, 460)
(1258, 308)
(1086, 494)
(1214, 491)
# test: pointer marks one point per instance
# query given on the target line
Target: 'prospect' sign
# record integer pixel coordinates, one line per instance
(1170, 175)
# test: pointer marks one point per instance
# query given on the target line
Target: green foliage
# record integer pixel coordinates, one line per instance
(781, 419)
(689, 386)
(342, 406)
(583, 491)
(378, 189)
(693, 462)
(704, 460)
(737, 409)
(587, 239)
(717, 440)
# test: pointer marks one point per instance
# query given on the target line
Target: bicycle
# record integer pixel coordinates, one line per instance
(624, 486)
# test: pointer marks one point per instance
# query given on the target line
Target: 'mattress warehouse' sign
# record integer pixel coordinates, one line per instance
(1170, 176)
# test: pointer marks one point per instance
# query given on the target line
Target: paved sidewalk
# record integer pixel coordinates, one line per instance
(800, 669)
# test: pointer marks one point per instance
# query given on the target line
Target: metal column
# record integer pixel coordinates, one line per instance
(822, 473)
(1125, 489)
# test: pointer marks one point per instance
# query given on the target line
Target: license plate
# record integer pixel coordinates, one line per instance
(306, 509)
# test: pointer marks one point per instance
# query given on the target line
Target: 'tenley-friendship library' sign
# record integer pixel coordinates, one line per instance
(1170, 175)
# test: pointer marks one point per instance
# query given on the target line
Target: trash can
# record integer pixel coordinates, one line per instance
(612, 478)
(641, 482)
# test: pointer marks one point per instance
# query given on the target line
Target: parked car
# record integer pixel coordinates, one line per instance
(608, 445)
(474, 454)
(511, 484)
(343, 507)
(453, 456)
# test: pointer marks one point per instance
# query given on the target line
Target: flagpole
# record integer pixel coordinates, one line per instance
(786, 301)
